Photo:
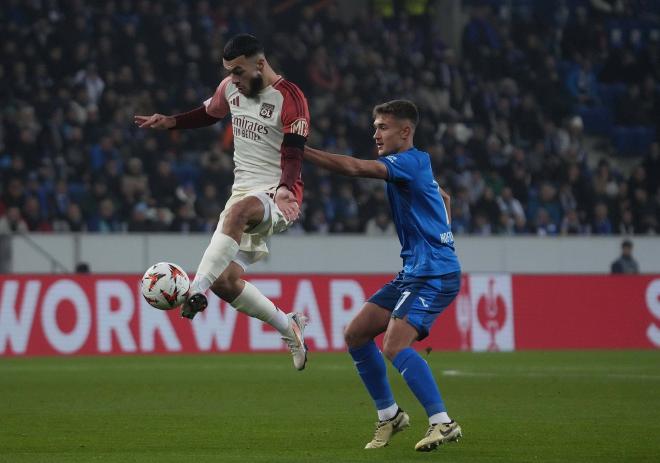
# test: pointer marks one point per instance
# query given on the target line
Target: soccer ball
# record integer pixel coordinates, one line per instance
(165, 286)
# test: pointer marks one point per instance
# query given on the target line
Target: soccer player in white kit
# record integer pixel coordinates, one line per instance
(270, 122)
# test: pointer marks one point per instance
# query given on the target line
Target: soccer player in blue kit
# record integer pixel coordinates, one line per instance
(405, 308)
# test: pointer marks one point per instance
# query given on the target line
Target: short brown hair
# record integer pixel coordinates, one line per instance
(401, 109)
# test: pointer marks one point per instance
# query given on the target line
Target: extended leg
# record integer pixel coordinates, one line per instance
(225, 242)
(371, 321)
(246, 298)
(418, 376)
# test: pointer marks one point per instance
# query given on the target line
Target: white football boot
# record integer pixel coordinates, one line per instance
(438, 434)
(386, 429)
(296, 339)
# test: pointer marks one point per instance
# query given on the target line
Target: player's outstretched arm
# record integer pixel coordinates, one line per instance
(155, 121)
(194, 119)
(346, 165)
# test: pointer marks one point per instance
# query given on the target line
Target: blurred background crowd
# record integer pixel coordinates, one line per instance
(544, 122)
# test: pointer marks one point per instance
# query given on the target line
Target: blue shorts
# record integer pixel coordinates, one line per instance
(421, 299)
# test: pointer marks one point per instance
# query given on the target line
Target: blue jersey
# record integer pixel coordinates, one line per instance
(420, 215)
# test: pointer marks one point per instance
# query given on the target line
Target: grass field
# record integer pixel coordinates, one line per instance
(526, 406)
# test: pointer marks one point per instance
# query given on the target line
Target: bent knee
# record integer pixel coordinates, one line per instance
(226, 288)
(391, 350)
(353, 338)
(247, 212)
(237, 216)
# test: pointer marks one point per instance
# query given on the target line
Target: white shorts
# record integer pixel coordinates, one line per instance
(254, 242)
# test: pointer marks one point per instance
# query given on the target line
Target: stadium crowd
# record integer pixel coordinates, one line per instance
(504, 122)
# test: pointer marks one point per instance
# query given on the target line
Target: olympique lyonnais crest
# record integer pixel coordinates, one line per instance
(266, 110)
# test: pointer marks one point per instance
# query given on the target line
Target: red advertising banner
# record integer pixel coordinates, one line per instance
(105, 314)
(587, 312)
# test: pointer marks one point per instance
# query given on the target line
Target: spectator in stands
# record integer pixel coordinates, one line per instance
(163, 184)
(570, 224)
(582, 83)
(316, 222)
(208, 206)
(481, 225)
(59, 200)
(629, 111)
(14, 194)
(134, 184)
(548, 202)
(480, 38)
(626, 224)
(103, 151)
(650, 97)
(34, 216)
(12, 222)
(323, 72)
(140, 221)
(105, 219)
(91, 82)
(567, 198)
(70, 87)
(544, 224)
(461, 216)
(380, 225)
(652, 166)
(512, 212)
(528, 121)
(185, 220)
(645, 212)
(601, 224)
(626, 263)
(487, 207)
(74, 219)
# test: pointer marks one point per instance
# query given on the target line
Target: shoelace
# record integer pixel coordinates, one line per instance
(430, 430)
(380, 427)
(292, 343)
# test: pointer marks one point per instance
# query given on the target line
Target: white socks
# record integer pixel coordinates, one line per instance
(251, 302)
(388, 413)
(218, 255)
(441, 417)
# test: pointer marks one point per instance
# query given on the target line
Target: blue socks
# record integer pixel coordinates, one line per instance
(416, 372)
(373, 371)
(419, 378)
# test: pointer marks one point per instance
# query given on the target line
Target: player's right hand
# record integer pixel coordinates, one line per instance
(287, 204)
(155, 121)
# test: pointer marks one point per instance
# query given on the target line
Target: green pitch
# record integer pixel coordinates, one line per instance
(529, 406)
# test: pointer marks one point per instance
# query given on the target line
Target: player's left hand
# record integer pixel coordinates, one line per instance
(286, 202)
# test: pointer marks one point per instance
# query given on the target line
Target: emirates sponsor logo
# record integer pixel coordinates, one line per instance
(248, 129)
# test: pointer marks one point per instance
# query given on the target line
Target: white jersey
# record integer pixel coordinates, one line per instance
(259, 125)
